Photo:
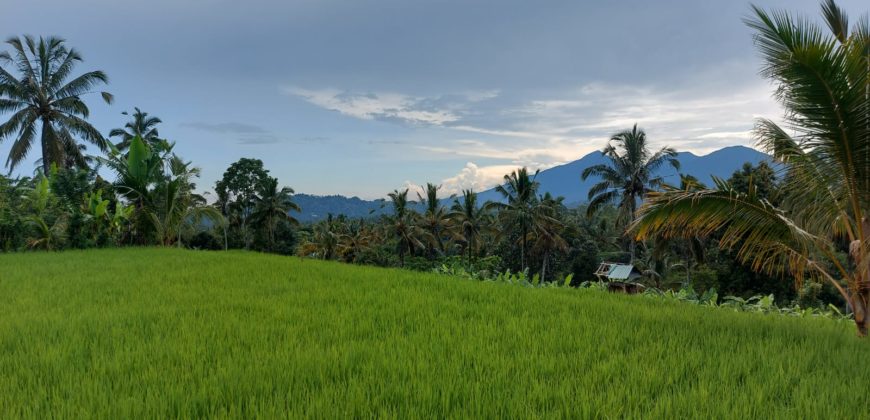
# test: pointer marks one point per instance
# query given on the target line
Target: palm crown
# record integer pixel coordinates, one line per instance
(822, 82)
(43, 96)
(140, 125)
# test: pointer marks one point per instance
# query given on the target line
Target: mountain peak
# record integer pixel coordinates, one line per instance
(563, 180)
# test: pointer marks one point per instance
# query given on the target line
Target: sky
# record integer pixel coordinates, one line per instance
(362, 97)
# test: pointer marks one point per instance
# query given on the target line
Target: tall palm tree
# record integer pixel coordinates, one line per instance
(629, 176)
(434, 220)
(823, 82)
(471, 221)
(140, 125)
(44, 97)
(272, 205)
(404, 227)
(518, 190)
(546, 233)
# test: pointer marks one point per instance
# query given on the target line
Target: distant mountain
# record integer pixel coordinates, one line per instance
(318, 207)
(563, 180)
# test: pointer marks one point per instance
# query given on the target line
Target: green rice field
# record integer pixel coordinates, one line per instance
(133, 333)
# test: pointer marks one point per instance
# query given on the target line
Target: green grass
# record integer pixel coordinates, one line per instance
(168, 333)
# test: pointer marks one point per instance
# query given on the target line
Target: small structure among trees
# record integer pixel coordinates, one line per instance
(620, 277)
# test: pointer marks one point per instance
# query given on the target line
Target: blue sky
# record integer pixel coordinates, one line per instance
(361, 97)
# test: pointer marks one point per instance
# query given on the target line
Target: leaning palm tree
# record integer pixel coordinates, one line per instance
(518, 190)
(471, 222)
(43, 99)
(273, 205)
(823, 83)
(629, 176)
(140, 125)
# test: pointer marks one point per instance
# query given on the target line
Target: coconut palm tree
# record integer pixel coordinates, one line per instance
(471, 222)
(629, 176)
(356, 240)
(140, 125)
(434, 220)
(404, 227)
(176, 207)
(44, 99)
(546, 233)
(272, 205)
(323, 241)
(823, 84)
(518, 190)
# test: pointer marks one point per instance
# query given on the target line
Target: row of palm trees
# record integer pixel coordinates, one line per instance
(529, 221)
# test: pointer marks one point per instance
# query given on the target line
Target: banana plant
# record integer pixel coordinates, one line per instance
(96, 212)
(49, 223)
(120, 221)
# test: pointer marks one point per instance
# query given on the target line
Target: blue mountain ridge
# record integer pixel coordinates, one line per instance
(563, 180)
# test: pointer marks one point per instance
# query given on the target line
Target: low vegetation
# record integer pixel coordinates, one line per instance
(143, 332)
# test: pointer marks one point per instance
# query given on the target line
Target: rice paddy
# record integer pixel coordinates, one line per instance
(173, 333)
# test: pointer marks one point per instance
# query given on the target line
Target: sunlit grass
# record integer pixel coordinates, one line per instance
(169, 333)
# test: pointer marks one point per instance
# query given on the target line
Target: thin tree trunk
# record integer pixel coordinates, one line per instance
(46, 162)
(523, 248)
(861, 297)
(631, 243)
(544, 269)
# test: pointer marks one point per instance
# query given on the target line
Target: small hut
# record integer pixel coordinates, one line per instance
(620, 277)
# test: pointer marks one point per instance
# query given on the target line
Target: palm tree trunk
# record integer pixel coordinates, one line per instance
(46, 162)
(272, 235)
(631, 241)
(523, 249)
(861, 297)
(544, 269)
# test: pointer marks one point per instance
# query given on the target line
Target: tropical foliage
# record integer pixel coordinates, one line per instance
(822, 82)
(800, 218)
(45, 98)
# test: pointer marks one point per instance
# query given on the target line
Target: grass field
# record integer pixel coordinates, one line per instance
(168, 333)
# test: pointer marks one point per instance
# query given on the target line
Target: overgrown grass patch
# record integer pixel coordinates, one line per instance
(171, 333)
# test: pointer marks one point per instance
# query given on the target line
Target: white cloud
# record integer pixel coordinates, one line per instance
(413, 190)
(476, 178)
(727, 135)
(415, 110)
(553, 129)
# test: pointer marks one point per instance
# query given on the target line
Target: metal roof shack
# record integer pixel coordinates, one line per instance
(617, 272)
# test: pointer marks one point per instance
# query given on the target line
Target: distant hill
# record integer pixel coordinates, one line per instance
(317, 207)
(563, 180)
